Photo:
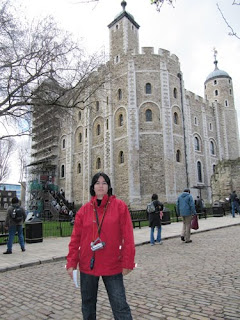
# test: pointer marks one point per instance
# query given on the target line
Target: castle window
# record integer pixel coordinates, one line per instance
(178, 156)
(79, 168)
(98, 130)
(121, 157)
(195, 121)
(196, 144)
(107, 100)
(62, 171)
(210, 126)
(119, 94)
(79, 115)
(215, 82)
(116, 26)
(230, 91)
(212, 149)
(80, 137)
(120, 120)
(148, 88)
(98, 164)
(86, 133)
(148, 115)
(107, 124)
(216, 92)
(214, 168)
(175, 93)
(199, 171)
(175, 118)
(97, 105)
(63, 143)
(117, 59)
(226, 103)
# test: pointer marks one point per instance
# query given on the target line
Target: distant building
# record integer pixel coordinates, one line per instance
(11, 187)
(142, 127)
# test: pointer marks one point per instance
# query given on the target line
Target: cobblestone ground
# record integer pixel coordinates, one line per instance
(200, 280)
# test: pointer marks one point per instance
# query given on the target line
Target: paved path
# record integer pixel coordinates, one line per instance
(173, 281)
(52, 249)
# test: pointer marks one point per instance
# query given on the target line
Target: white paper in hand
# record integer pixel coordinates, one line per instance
(75, 278)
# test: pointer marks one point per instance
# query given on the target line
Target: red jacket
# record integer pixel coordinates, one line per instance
(116, 232)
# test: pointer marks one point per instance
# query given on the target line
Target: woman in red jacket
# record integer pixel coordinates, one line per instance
(102, 244)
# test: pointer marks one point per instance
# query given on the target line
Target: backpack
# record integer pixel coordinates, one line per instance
(17, 214)
(151, 207)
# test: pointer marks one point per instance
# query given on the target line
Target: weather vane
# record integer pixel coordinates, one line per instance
(215, 53)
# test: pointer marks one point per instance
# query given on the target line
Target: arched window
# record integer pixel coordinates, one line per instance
(214, 168)
(79, 168)
(175, 93)
(98, 129)
(98, 164)
(80, 137)
(216, 92)
(148, 115)
(63, 143)
(119, 94)
(121, 157)
(120, 120)
(195, 121)
(178, 156)
(148, 88)
(199, 171)
(226, 103)
(212, 149)
(97, 105)
(62, 171)
(175, 118)
(79, 115)
(196, 144)
(215, 82)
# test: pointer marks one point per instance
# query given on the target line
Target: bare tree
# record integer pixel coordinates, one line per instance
(232, 32)
(32, 59)
(6, 150)
(159, 3)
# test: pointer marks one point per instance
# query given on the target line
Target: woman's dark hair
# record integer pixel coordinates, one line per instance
(154, 197)
(95, 179)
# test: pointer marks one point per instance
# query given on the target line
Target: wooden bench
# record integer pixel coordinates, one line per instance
(138, 216)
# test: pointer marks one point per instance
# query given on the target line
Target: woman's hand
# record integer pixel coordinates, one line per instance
(70, 272)
(126, 271)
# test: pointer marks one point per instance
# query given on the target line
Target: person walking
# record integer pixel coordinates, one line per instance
(234, 203)
(185, 208)
(102, 245)
(14, 222)
(155, 220)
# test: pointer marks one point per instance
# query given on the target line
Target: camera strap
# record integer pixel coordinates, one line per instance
(99, 230)
(97, 219)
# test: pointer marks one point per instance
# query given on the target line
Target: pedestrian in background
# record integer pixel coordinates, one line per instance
(185, 208)
(14, 223)
(155, 220)
(102, 244)
(234, 203)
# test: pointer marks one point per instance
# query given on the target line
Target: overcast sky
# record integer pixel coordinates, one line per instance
(190, 30)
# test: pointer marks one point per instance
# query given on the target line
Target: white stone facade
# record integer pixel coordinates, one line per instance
(145, 130)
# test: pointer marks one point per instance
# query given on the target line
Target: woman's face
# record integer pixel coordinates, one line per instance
(101, 187)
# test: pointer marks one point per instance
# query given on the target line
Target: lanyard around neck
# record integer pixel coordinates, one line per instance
(97, 219)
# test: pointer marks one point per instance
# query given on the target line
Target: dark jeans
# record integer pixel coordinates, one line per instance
(116, 294)
(11, 231)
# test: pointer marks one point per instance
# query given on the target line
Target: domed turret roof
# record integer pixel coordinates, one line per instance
(122, 14)
(217, 73)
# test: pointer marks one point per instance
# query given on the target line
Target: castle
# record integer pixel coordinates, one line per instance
(143, 128)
